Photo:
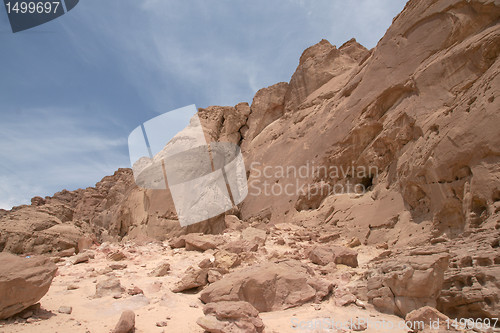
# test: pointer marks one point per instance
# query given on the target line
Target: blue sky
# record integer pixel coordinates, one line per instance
(73, 89)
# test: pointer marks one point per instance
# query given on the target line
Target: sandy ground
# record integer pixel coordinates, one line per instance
(158, 304)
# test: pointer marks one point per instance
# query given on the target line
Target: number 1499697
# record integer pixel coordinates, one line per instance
(32, 7)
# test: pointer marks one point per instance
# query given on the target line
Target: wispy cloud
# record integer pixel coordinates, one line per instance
(46, 149)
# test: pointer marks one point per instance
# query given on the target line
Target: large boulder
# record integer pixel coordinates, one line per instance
(23, 282)
(406, 282)
(268, 286)
(323, 255)
(228, 317)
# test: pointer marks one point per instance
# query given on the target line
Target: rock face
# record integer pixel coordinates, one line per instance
(471, 283)
(268, 287)
(23, 282)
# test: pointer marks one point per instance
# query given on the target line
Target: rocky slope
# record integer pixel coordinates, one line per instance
(409, 129)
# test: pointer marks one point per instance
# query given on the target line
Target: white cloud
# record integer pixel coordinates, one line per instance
(46, 149)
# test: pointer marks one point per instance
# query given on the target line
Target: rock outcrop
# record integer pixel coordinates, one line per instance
(226, 317)
(269, 287)
(23, 282)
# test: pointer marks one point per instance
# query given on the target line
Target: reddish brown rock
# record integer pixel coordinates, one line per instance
(23, 282)
(160, 270)
(116, 256)
(241, 246)
(126, 323)
(199, 242)
(226, 317)
(268, 287)
(193, 278)
(110, 286)
(323, 255)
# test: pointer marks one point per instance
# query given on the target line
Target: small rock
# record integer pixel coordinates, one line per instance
(226, 260)
(328, 237)
(193, 278)
(200, 242)
(254, 235)
(65, 309)
(354, 242)
(116, 256)
(360, 304)
(206, 263)
(135, 291)
(383, 246)
(161, 323)
(80, 258)
(110, 286)
(359, 326)
(161, 270)
(126, 323)
(66, 253)
(116, 267)
(280, 241)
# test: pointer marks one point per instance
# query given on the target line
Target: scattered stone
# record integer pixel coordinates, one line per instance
(177, 242)
(251, 234)
(161, 323)
(66, 253)
(80, 258)
(328, 237)
(226, 317)
(322, 255)
(358, 325)
(126, 323)
(116, 256)
(193, 278)
(135, 291)
(206, 263)
(233, 222)
(241, 246)
(354, 242)
(226, 260)
(160, 270)
(117, 266)
(110, 286)
(65, 309)
(200, 242)
(214, 275)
